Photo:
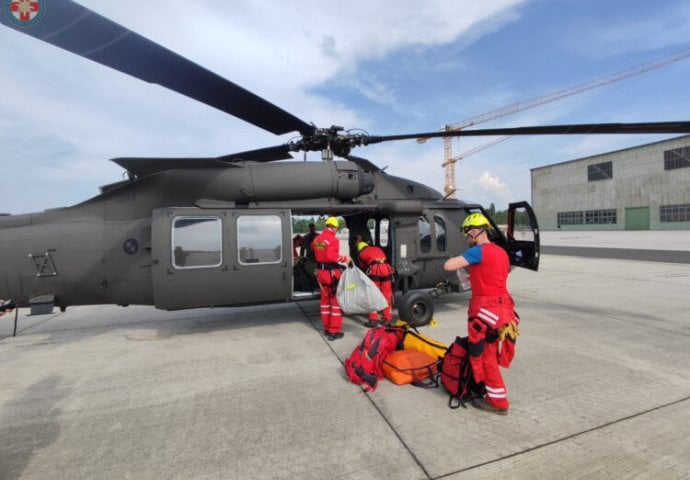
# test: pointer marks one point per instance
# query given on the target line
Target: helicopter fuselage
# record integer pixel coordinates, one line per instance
(178, 237)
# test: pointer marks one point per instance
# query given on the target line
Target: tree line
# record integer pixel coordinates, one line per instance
(500, 217)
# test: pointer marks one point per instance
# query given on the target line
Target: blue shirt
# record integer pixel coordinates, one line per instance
(473, 255)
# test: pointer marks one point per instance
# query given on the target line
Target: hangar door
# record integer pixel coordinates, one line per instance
(637, 218)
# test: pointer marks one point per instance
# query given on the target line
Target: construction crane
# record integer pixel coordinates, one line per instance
(449, 160)
(449, 164)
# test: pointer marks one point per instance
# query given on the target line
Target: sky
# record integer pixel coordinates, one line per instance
(384, 67)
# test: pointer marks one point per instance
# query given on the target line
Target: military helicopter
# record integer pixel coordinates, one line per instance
(205, 232)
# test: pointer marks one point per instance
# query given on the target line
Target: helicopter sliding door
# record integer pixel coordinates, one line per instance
(220, 257)
(523, 236)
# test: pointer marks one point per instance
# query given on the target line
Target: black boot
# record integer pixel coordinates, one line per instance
(481, 404)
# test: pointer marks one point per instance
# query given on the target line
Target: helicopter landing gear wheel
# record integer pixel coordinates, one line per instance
(416, 308)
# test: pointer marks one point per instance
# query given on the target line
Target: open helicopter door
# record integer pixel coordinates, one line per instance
(523, 236)
(220, 257)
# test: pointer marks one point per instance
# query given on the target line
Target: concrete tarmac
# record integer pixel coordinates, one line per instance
(671, 240)
(671, 246)
(599, 389)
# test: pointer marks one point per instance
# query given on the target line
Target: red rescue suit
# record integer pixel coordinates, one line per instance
(326, 248)
(491, 307)
(373, 261)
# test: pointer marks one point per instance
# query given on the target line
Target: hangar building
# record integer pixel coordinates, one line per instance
(640, 188)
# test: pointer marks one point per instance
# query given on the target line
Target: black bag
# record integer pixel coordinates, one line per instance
(456, 374)
(304, 278)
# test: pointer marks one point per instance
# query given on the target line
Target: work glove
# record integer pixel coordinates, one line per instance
(509, 330)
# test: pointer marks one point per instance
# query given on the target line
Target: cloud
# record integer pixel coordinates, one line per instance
(494, 184)
(488, 188)
(69, 113)
(385, 67)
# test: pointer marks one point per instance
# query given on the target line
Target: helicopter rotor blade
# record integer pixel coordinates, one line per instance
(142, 166)
(138, 167)
(269, 154)
(573, 129)
(79, 30)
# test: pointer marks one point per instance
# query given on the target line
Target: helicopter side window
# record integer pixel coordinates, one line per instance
(383, 233)
(424, 234)
(378, 231)
(259, 239)
(197, 242)
(440, 233)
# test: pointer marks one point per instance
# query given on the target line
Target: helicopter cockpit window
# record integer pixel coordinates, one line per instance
(440, 233)
(197, 242)
(259, 239)
(424, 234)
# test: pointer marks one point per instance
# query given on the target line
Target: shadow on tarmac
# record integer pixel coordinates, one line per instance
(23, 437)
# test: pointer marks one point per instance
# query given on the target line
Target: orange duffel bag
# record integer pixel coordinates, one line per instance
(411, 366)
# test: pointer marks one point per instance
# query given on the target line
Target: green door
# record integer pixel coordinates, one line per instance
(637, 218)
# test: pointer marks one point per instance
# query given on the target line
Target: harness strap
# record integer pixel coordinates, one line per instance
(378, 278)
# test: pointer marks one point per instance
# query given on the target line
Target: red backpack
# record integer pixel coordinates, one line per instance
(456, 374)
(365, 364)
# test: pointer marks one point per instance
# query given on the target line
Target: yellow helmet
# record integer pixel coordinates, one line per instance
(361, 246)
(332, 222)
(475, 220)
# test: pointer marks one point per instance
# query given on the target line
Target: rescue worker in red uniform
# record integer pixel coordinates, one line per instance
(373, 261)
(326, 248)
(492, 321)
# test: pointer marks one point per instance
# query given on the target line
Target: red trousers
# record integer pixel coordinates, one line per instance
(485, 369)
(386, 288)
(331, 316)
(381, 275)
(486, 316)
